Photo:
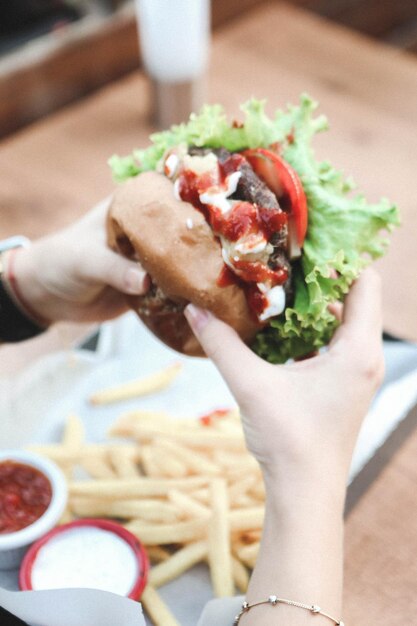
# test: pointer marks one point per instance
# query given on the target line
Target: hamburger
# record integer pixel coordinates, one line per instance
(241, 219)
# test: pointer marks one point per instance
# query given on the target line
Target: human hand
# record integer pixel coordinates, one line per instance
(304, 416)
(301, 421)
(73, 275)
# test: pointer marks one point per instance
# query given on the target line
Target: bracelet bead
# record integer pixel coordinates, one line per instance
(274, 600)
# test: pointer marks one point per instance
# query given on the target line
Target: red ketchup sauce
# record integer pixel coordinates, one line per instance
(25, 494)
(243, 220)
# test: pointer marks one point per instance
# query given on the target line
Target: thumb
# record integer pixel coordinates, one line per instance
(223, 346)
(118, 272)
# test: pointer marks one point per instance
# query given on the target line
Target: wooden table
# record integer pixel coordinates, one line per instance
(53, 171)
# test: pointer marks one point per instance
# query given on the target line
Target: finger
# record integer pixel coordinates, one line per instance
(362, 311)
(112, 269)
(234, 360)
(336, 309)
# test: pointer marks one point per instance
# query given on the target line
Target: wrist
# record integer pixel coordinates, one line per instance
(297, 484)
(23, 279)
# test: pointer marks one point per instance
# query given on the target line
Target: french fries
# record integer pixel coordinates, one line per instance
(136, 388)
(220, 558)
(156, 608)
(179, 563)
(187, 488)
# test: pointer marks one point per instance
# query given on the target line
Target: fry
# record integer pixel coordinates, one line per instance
(179, 563)
(145, 510)
(134, 487)
(241, 487)
(247, 519)
(61, 454)
(187, 505)
(124, 464)
(66, 517)
(150, 464)
(165, 534)
(157, 554)
(171, 466)
(136, 388)
(202, 495)
(157, 609)
(220, 560)
(196, 462)
(74, 433)
(240, 575)
(248, 554)
(124, 426)
(97, 467)
(197, 439)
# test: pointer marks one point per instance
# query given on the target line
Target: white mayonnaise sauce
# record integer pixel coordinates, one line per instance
(218, 196)
(177, 190)
(251, 245)
(86, 557)
(171, 165)
(276, 301)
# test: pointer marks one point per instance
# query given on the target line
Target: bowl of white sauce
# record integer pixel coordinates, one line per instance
(87, 553)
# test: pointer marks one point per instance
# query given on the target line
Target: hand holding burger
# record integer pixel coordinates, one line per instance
(242, 220)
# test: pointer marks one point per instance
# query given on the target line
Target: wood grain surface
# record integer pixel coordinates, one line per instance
(53, 171)
(381, 541)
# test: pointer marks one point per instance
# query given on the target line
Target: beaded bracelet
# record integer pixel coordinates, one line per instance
(274, 600)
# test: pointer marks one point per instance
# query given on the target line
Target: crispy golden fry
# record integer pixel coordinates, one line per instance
(125, 424)
(136, 388)
(240, 575)
(150, 463)
(61, 454)
(165, 534)
(98, 467)
(171, 465)
(197, 462)
(125, 464)
(134, 487)
(74, 433)
(66, 517)
(248, 554)
(146, 510)
(179, 563)
(187, 505)
(247, 519)
(202, 495)
(220, 559)
(200, 438)
(157, 554)
(156, 608)
(183, 481)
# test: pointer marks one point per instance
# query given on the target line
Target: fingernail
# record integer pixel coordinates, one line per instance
(196, 317)
(135, 281)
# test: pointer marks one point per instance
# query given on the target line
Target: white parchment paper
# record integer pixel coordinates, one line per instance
(72, 607)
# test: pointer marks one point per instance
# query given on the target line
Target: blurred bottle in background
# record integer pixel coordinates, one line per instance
(174, 38)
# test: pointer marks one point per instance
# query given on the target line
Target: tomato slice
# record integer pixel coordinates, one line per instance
(284, 181)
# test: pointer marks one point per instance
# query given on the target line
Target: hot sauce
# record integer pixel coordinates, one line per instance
(244, 229)
(25, 494)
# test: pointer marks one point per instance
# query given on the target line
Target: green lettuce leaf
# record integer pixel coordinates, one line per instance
(345, 232)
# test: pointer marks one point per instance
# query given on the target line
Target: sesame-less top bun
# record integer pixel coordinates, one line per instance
(175, 245)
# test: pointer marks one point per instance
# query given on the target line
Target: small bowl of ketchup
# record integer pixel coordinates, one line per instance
(33, 496)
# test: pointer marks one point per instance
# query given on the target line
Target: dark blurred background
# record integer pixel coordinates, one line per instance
(53, 52)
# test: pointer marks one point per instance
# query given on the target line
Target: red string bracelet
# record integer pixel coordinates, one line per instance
(15, 290)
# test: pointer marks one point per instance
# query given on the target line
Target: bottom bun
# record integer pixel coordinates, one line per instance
(175, 245)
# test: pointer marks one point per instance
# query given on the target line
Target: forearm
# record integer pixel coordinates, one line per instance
(301, 555)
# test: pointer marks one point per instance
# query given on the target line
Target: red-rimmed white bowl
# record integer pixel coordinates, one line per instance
(138, 551)
(13, 545)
